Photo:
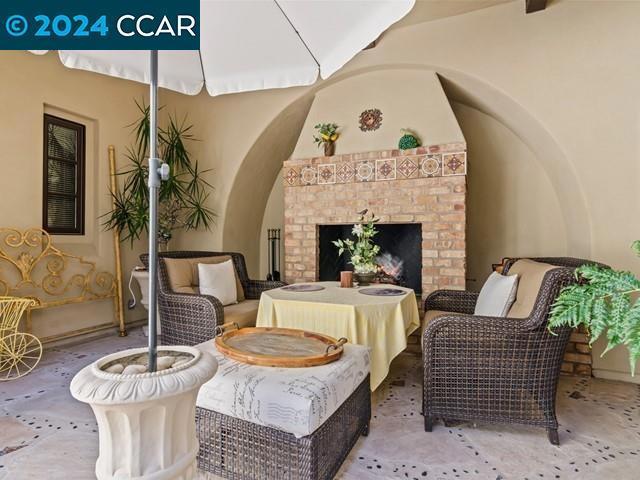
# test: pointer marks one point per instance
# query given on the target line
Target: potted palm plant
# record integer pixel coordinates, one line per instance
(183, 197)
(605, 301)
(362, 250)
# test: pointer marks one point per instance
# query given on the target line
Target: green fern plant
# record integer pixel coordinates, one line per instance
(605, 301)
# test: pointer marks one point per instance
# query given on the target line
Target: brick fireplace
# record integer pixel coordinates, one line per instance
(424, 186)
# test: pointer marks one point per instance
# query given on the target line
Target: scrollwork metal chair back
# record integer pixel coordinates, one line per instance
(31, 266)
(19, 352)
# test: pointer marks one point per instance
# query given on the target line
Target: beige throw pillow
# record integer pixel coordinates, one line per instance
(530, 276)
(218, 280)
(497, 295)
(183, 273)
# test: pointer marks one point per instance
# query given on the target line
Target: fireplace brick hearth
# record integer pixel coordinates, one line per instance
(425, 186)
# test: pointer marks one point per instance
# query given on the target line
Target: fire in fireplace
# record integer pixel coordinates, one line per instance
(399, 262)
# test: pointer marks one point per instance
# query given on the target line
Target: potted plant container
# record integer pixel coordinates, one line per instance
(362, 249)
(327, 136)
(146, 420)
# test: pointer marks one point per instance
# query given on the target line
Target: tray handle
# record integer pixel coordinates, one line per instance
(336, 345)
(221, 329)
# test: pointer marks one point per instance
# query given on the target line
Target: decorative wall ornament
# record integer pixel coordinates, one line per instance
(308, 176)
(378, 166)
(292, 176)
(454, 163)
(430, 166)
(327, 173)
(345, 173)
(365, 171)
(408, 168)
(370, 120)
(386, 169)
(408, 140)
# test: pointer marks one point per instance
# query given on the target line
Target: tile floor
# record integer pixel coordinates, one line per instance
(45, 434)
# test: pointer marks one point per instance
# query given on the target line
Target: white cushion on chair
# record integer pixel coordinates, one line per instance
(497, 295)
(218, 280)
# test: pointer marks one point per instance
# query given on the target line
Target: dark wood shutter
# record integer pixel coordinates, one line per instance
(63, 181)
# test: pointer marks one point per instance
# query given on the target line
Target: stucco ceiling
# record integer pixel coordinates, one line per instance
(428, 10)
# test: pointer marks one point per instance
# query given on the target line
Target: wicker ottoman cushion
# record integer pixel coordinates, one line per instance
(293, 400)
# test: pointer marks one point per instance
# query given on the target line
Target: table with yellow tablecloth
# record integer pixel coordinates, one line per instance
(381, 323)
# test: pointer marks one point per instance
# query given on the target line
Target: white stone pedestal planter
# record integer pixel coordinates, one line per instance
(146, 421)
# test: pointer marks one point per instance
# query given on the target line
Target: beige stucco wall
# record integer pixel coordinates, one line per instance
(244, 140)
(30, 86)
(273, 218)
(413, 100)
(504, 176)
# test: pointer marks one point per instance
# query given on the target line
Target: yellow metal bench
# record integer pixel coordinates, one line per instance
(32, 267)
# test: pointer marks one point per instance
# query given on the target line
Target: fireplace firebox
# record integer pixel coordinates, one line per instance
(400, 257)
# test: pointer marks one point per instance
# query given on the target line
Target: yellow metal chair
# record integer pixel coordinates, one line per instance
(19, 352)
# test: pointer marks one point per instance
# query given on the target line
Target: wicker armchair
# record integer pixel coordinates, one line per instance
(190, 319)
(491, 369)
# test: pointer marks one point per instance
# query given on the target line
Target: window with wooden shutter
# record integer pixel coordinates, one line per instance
(63, 185)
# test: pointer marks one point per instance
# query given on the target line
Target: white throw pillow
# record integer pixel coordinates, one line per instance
(497, 295)
(218, 280)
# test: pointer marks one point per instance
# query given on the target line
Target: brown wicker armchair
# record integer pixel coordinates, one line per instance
(491, 369)
(191, 318)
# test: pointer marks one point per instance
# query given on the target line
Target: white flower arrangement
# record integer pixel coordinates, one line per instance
(362, 249)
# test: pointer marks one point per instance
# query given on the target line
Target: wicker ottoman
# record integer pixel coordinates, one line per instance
(249, 431)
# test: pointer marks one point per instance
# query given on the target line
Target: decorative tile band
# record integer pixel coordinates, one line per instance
(377, 166)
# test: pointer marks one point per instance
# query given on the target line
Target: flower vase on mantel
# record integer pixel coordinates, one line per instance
(329, 149)
(327, 136)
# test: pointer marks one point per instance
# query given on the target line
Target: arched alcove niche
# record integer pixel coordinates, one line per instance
(259, 170)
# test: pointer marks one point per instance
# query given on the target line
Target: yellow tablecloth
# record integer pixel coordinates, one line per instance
(381, 323)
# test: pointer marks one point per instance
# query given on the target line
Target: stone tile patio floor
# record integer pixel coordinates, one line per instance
(46, 434)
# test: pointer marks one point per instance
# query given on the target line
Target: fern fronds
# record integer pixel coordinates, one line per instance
(603, 301)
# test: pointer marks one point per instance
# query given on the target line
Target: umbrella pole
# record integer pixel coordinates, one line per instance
(154, 186)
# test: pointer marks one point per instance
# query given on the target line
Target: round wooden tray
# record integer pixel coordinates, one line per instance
(277, 347)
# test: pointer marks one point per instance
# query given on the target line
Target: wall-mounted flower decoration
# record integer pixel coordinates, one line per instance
(370, 120)
(327, 136)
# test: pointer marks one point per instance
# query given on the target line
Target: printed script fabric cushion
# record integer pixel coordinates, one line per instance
(497, 295)
(294, 400)
(218, 280)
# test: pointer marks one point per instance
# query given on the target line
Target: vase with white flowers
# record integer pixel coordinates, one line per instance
(362, 249)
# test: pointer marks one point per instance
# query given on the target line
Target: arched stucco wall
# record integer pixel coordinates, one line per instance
(467, 90)
(254, 180)
(261, 166)
(512, 208)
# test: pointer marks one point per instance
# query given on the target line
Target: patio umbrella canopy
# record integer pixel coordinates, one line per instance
(244, 46)
(256, 45)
